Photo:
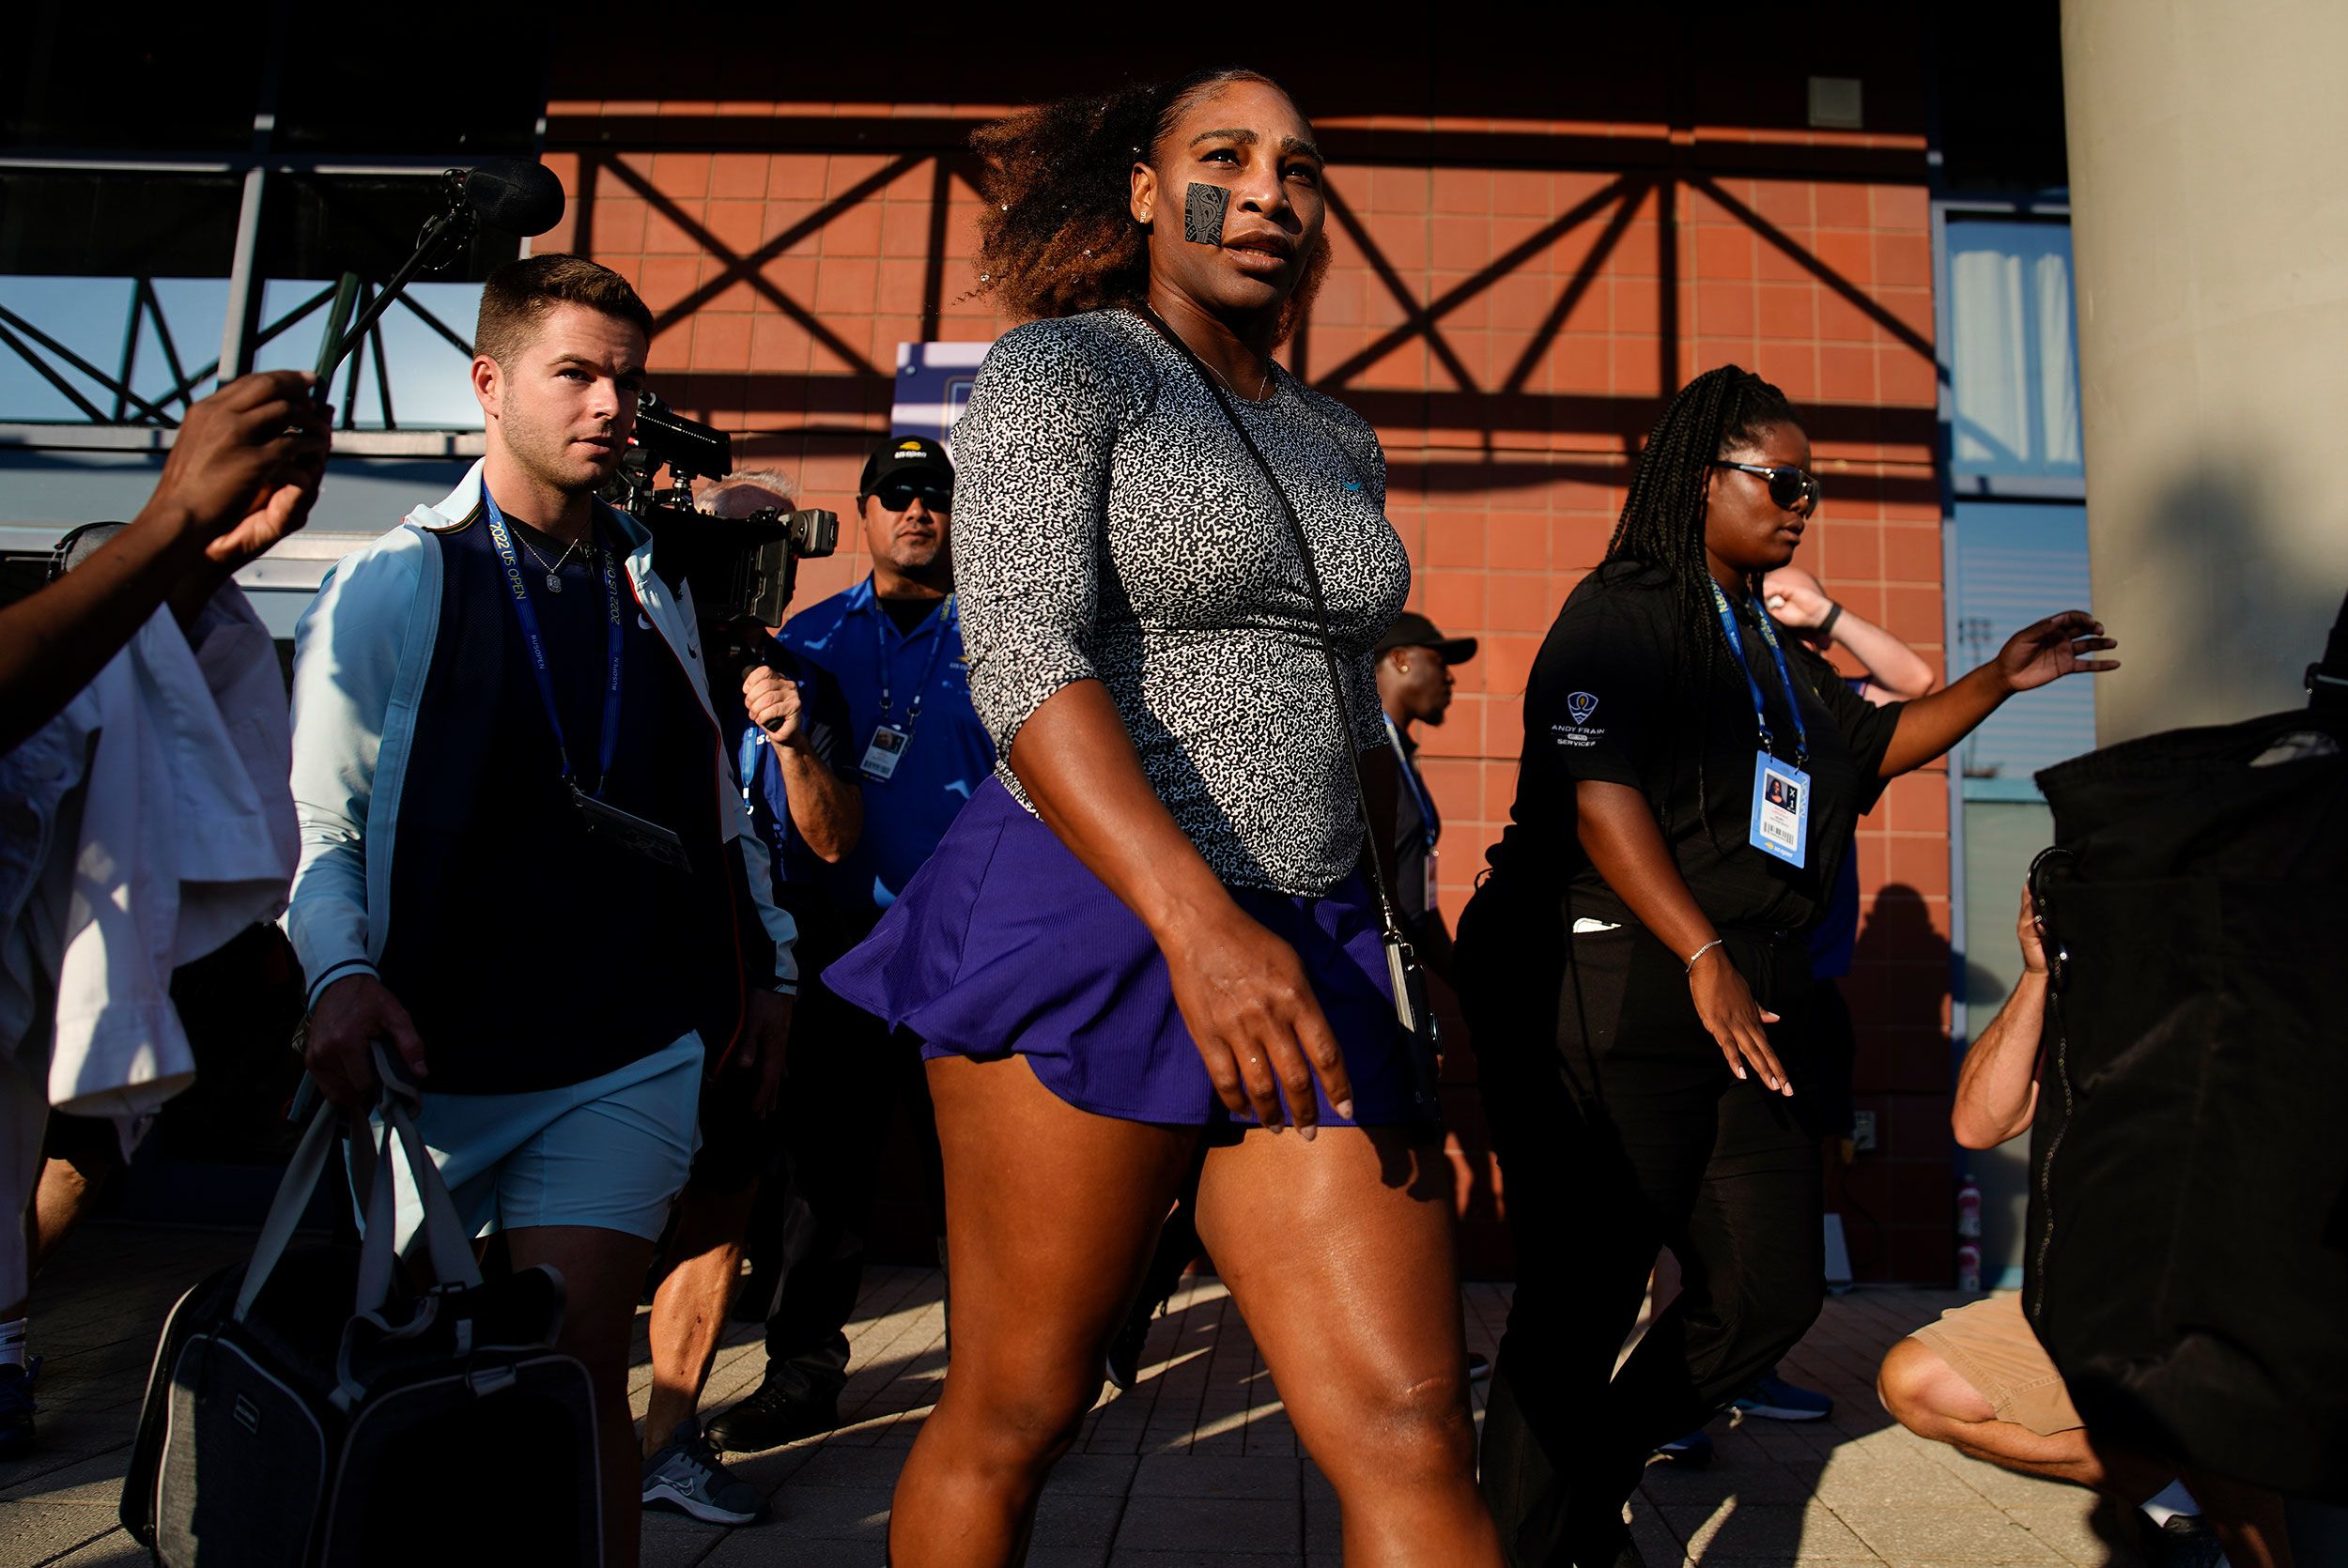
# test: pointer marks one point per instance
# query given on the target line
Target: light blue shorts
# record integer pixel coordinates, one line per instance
(611, 1152)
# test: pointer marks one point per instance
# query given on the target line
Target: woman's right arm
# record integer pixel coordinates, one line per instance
(1596, 708)
(1033, 452)
(1241, 990)
(1618, 833)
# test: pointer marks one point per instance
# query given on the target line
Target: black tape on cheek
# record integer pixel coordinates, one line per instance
(1202, 214)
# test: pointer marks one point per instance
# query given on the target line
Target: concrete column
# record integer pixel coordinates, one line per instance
(2210, 227)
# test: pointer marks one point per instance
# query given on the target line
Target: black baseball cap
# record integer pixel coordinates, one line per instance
(1414, 630)
(903, 455)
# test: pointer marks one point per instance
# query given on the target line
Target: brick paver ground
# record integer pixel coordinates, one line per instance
(1198, 1465)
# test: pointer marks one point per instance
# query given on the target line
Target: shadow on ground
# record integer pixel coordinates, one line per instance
(1198, 1465)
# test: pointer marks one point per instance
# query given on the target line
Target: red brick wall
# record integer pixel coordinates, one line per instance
(1509, 304)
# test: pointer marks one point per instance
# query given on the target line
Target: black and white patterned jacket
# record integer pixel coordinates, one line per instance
(1109, 526)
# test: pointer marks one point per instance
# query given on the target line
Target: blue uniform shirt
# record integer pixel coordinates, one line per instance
(853, 639)
(797, 871)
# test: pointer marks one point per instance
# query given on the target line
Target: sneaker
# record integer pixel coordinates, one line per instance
(777, 1413)
(1774, 1398)
(2182, 1541)
(1479, 1366)
(16, 1410)
(683, 1473)
(1691, 1452)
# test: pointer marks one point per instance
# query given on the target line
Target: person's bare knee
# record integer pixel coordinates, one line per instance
(1925, 1395)
(1402, 1432)
(1022, 1417)
(603, 1273)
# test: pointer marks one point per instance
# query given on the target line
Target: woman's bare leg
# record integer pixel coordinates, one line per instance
(1051, 1213)
(1338, 1253)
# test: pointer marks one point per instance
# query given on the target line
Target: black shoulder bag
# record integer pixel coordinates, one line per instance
(1420, 1039)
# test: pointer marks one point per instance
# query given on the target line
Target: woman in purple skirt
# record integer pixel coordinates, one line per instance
(1151, 929)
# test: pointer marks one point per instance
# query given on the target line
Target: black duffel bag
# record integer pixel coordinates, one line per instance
(2188, 1263)
(307, 1407)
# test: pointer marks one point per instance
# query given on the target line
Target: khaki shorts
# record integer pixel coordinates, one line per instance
(1991, 1346)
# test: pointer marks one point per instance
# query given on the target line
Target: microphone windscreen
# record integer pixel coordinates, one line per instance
(517, 196)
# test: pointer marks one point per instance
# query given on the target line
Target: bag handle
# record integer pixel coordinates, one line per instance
(285, 1209)
(446, 1246)
(450, 1254)
(1393, 927)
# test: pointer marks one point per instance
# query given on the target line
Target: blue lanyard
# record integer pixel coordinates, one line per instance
(1410, 782)
(536, 643)
(1761, 712)
(946, 622)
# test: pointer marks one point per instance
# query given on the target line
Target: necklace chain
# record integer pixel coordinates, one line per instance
(1262, 392)
(553, 582)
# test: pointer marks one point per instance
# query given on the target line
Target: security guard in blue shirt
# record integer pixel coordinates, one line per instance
(892, 645)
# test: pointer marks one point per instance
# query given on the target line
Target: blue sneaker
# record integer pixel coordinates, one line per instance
(684, 1474)
(1691, 1452)
(1774, 1398)
(16, 1410)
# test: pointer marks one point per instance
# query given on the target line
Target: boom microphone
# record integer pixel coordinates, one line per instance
(509, 193)
(519, 198)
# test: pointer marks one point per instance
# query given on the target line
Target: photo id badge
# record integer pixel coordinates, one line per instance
(1781, 809)
(887, 751)
(632, 832)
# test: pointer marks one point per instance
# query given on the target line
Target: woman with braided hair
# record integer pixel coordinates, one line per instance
(1150, 932)
(1689, 779)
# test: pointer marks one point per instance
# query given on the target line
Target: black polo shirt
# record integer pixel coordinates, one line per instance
(1602, 706)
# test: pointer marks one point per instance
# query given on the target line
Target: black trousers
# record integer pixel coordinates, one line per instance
(1621, 1131)
(848, 1074)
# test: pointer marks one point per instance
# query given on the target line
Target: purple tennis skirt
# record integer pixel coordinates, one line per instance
(1004, 944)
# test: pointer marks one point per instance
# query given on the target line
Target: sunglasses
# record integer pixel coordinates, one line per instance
(1795, 489)
(899, 494)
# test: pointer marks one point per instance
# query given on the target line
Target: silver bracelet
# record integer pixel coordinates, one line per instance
(1701, 951)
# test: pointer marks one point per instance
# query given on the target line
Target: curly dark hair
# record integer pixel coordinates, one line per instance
(1057, 236)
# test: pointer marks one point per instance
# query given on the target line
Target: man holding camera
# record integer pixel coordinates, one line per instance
(525, 862)
(789, 741)
(894, 645)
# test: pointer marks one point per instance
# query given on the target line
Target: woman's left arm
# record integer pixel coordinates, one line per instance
(2041, 653)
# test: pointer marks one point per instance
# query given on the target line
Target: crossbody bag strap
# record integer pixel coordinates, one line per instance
(1393, 927)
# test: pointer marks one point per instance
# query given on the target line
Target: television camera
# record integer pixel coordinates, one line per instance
(740, 569)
